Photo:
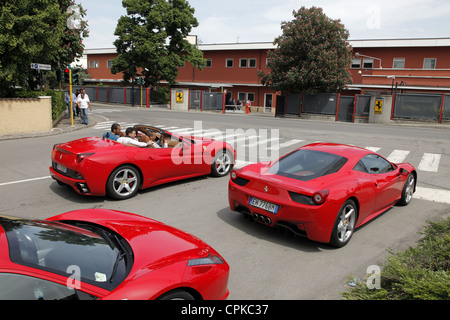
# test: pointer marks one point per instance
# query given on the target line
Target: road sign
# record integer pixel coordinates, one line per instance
(39, 66)
(378, 106)
(179, 96)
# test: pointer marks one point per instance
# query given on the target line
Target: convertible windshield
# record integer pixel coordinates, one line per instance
(89, 253)
(306, 164)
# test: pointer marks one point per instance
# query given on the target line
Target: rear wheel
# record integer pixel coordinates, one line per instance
(345, 224)
(222, 163)
(123, 183)
(177, 295)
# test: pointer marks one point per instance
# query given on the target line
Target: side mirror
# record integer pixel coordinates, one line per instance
(403, 172)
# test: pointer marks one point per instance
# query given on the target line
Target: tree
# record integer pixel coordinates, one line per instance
(152, 40)
(312, 55)
(35, 31)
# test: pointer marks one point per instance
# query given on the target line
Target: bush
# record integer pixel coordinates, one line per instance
(421, 273)
(58, 104)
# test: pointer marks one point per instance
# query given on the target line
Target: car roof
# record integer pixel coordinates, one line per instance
(342, 150)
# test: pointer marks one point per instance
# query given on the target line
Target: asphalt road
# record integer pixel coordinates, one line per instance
(264, 264)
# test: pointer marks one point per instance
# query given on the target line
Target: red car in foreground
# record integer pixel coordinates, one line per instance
(105, 254)
(98, 167)
(322, 191)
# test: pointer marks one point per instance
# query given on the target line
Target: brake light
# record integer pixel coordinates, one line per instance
(320, 197)
(80, 157)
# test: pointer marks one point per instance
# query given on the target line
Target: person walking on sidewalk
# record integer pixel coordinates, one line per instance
(84, 103)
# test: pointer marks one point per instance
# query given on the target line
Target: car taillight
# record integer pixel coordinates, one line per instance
(81, 156)
(320, 197)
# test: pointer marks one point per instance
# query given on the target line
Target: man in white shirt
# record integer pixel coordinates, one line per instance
(130, 138)
(84, 103)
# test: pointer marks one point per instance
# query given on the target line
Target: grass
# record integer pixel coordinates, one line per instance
(417, 273)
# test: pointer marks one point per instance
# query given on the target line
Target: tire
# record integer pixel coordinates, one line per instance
(123, 183)
(408, 190)
(222, 163)
(177, 295)
(344, 225)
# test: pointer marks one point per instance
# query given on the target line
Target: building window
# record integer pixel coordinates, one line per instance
(229, 63)
(251, 96)
(367, 63)
(252, 63)
(93, 64)
(242, 63)
(109, 64)
(429, 63)
(208, 63)
(399, 63)
(244, 96)
(356, 63)
(241, 96)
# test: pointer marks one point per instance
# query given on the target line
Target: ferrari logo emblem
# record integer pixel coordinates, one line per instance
(266, 189)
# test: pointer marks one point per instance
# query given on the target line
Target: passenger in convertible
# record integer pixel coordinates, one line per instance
(130, 138)
(115, 133)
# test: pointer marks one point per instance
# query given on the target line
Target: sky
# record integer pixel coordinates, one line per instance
(244, 21)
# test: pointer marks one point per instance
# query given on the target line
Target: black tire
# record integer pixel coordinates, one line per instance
(222, 163)
(345, 223)
(177, 295)
(408, 190)
(123, 183)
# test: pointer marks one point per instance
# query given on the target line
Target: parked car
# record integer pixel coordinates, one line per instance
(106, 254)
(98, 167)
(322, 191)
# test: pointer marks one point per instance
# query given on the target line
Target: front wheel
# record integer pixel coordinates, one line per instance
(222, 163)
(408, 190)
(345, 224)
(123, 183)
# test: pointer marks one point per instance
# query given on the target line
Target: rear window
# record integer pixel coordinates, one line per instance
(306, 164)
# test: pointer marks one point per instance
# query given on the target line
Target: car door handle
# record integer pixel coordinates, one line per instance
(151, 158)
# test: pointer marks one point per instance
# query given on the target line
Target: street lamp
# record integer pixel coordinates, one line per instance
(362, 55)
(133, 69)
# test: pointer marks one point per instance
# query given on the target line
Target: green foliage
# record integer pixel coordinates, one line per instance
(35, 31)
(312, 55)
(152, 40)
(421, 273)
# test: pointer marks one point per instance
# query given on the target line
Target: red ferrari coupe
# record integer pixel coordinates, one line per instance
(96, 166)
(106, 254)
(322, 191)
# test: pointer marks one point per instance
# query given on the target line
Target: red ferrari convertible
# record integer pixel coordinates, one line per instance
(322, 191)
(106, 254)
(96, 166)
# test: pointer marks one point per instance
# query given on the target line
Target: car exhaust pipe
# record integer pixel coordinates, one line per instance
(261, 218)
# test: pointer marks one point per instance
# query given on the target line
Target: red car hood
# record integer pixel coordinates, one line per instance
(154, 244)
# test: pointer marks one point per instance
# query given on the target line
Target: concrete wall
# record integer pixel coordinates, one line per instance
(25, 115)
(179, 99)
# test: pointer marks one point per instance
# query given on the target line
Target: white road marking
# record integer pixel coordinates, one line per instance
(429, 162)
(398, 156)
(21, 181)
(373, 149)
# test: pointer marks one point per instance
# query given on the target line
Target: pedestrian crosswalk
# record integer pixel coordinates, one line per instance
(276, 146)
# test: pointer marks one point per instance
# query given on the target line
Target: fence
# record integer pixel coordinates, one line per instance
(122, 95)
(420, 107)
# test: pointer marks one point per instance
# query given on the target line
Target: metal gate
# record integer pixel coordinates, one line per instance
(346, 107)
(212, 101)
(195, 99)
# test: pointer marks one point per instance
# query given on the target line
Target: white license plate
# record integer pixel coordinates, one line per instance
(270, 207)
(61, 168)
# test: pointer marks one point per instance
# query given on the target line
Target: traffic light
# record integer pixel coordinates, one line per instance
(140, 81)
(75, 78)
(67, 75)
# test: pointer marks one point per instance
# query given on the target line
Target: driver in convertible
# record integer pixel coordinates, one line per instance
(130, 138)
